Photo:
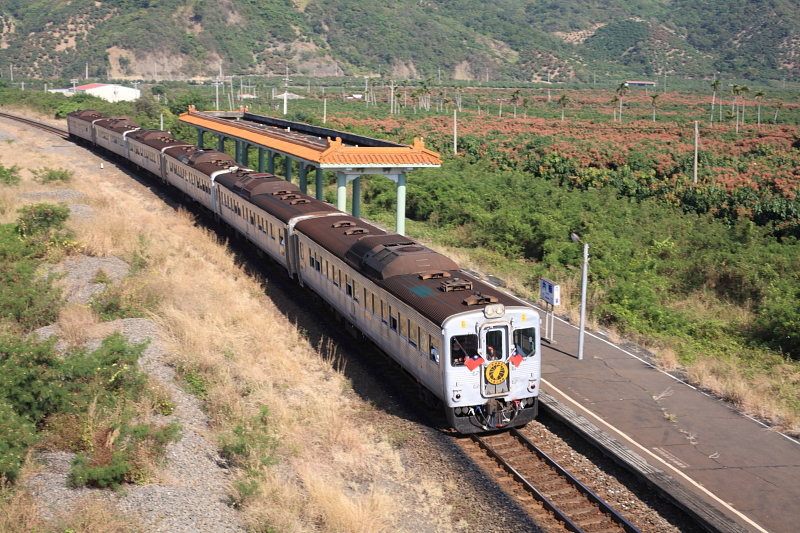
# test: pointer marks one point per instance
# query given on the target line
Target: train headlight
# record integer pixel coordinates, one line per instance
(456, 395)
(492, 311)
(531, 386)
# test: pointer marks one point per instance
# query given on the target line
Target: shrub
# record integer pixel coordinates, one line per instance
(16, 434)
(47, 175)
(41, 219)
(9, 176)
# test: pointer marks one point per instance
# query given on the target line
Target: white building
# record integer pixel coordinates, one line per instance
(112, 93)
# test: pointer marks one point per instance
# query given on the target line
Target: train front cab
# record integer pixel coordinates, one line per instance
(492, 368)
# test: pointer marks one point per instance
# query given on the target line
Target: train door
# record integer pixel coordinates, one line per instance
(496, 370)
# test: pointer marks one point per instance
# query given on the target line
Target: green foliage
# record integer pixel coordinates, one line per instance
(251, 439)
(115, 464)
(41, 219)
(48, 175)
(192, 98)
(16, 434)
(9, 175)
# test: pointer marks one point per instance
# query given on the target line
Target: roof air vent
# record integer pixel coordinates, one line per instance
(345, 224)
(300, 201)
(456, 284)
(279, 193)
(356, 231)
(290, 197)
(478, 298)
(438, 274)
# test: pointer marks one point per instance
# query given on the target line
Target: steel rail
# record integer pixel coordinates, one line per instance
(590, 496)
(29, 122)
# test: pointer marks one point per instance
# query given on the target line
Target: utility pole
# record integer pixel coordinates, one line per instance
(216, 86)
(285, 89)
(455, 131)
(87, 71)
(11, 68)
(696, 135)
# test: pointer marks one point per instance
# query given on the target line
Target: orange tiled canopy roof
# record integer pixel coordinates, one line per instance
(328, 153)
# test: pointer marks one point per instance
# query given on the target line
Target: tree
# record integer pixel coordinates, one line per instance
(404, 84)
(778, 107)
(622, 90)
(735, 90)
(743, 90)
(614, 104)
(525, 104)
(654, 98)
(181, 103)
(563, 101)
(515, 99)
(759, 96)
(715, 87)
(344, 87)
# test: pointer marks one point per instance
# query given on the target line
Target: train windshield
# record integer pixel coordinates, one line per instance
(496, 343)
(525, 341)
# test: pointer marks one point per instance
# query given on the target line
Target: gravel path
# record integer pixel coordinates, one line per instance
(192, 493)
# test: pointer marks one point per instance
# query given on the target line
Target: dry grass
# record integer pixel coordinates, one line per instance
(96, 515)
(75, 322)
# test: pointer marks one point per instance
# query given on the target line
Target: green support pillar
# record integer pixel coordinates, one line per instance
(238, 156)
(357, 197)
(341, 191)
(200, 132)
(260, 159)
(400, 224)
(303, 177)
(288, 168)
(271, 162)
(319, 183)
(221, 143)
(245, 155)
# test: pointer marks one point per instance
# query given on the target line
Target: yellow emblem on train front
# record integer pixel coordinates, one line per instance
(496, 372)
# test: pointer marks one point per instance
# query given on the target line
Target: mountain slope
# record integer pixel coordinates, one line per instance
(466, 39)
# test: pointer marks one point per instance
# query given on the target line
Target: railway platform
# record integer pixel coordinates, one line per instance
(728, 470)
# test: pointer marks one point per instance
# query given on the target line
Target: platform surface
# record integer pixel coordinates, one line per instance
(734, 463)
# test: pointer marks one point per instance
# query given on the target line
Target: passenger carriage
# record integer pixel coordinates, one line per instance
(79, 124)
(110, 133)
(145, 149)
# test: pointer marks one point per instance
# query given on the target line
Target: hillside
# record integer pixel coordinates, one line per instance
(467, 39)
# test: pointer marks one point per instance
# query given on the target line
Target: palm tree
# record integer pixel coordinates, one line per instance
(622, 90)
(344, 87)
(614, 103)
(525, 104)
(563, 101)
(715, 87)
(759, 96)
(479, 101)
(778, 107)
(735, 90)
(515, 99)
(743, 90)
(654, 98)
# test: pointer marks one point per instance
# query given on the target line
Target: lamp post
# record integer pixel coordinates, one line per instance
(576, 238)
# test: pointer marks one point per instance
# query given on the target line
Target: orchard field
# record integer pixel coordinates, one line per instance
(703, 273)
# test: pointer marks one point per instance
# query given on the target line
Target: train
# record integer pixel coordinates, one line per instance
(473, 350)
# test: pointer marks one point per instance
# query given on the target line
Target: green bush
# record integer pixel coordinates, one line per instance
(16, 434)
(9, 175)
(41, 219)
(48, 175)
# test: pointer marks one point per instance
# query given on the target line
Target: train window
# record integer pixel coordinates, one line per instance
(253, 223)
(392, 319)
(280, 234)
(355, 290)
(272, 231)
(349, 289)
(302, 251)
(316, 266)
(461, 347)
(334, 276)
(341, 281)
(413, 333)
(383, 312)
(367, 300)
(495, 344)
(524, 342)
(403, 326)
(311, 260)
(435, 350)
(423, 342)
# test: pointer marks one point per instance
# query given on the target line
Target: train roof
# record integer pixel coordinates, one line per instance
(338, 234)
(274, 195)
(156, 139)
(85, 114)
(439, 295)
(205, 161)
(117, 125)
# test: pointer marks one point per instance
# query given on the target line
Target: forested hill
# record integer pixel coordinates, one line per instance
(561, 40)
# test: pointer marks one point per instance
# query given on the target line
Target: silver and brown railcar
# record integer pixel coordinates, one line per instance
(145, 149)
(265, 209)
(80, 124)
(193, 170)
(110, 133)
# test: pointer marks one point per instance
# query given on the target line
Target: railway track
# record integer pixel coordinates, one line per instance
(540, 478)
(39, 125)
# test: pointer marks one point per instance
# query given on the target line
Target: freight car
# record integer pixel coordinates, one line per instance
(473, 350)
